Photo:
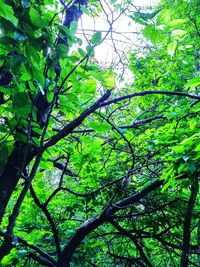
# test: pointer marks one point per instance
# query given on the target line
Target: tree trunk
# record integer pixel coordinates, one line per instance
(12, 171)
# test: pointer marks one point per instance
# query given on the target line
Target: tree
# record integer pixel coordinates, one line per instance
(92, 174)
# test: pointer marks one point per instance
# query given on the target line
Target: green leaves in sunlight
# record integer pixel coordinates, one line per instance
(192, 84)
(182, 160)
(36, 19)
(171, 48)
(100, 127)
(89, 86)
(153, 34)
(7, 13)
(96, 38)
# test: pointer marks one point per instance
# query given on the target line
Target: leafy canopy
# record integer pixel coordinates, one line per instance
(97, 170)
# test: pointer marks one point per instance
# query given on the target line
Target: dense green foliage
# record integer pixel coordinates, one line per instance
(92, 173)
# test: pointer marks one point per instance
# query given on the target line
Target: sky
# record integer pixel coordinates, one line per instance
(113, 50)
(125, 34)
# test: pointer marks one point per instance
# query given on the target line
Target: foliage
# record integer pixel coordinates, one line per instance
(92, 173)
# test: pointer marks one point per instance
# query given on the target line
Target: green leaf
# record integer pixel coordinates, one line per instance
(98, 76)
(15, 61)
(37, 130)
(12, 123)
(109, 79)
(39, 77)
(25, 77)
(7, 40)
(171, 48)
(165, 186)
(5, 90)
(1, 61)
(182, 168)
(197, 148)
(90, 50)
(22, 104)
(164, 17)
(89, 86)
(96, 38)
(3, 129)
(82, 52)
(138, 19)
(31, 54)
(100, 128)
(179, 33)
(62, 50)
(193, 124)
(153, 34)
(21, 137)
(50, 96)
(7, 13)
(73, 28)
(36, 141)
(48, 165)
(37, 19)
(177, 22)
(178, 149)
(188, 141)
(193, 83)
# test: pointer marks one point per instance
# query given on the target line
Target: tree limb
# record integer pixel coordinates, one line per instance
(137, 245)
(187, 225)
(72, 125)
(94, 223)
(31, 246)
(49, 218)
(175, 93)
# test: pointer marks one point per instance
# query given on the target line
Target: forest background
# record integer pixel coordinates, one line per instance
(99, 159)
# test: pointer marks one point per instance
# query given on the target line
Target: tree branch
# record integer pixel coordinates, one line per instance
(94, 223)
(31, 246)
(137, 245)
(131, 126)
(72, 125)
(187, 225)
(175, 93)
(49, 218)
(41, 260)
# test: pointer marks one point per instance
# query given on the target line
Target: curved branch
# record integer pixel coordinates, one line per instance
(175, 93)
(136, 124)
(92, 224)
(129, 260)
(141, 122)
(49, 218)
(40, 260)
(33, 247)
(72, 125)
